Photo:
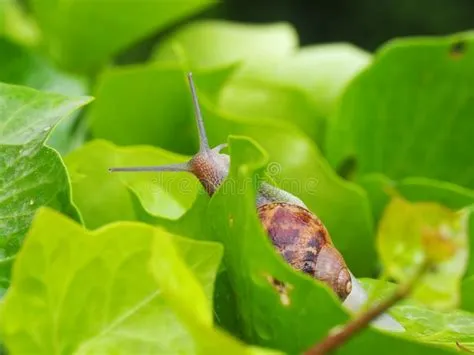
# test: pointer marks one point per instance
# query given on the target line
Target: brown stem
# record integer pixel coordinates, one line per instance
(338, 337)
(463, 348)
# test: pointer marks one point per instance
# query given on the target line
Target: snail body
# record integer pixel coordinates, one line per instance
(297, 234)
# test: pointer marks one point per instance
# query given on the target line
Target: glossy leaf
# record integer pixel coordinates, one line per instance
(274, 81)
(104, 197)
(292, 317)
(150, 104)
(410, 233)
(23, 67)
(101, 29)
(179, 285)
(409, 114)
(31, 175)
(83, 292)
(213, 43)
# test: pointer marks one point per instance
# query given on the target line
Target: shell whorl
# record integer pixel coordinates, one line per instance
(304, 242)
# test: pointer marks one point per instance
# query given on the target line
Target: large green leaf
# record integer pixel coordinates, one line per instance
(412, 232)
(409, 114)
(213, 43)
(104, 197)
(178, 285)
(298, 312)
(274, 81)
(158, 111)
(22, 67)
(81, 292)
(31, 174)
(101, 29)
(150, 104)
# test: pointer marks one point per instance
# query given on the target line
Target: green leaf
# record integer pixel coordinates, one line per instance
(31, 174)
(301, 88)
(22, 67)
(380, 189)
(468, 294)
(80, 292)
(178, 285)
(147, 104)
(104, 197)
(409, 114)
(298, 314)
(16, 24)
(272, 82)
(102, 29)
(427, 325)
(409, 233)
(213, 43)
(299, 166)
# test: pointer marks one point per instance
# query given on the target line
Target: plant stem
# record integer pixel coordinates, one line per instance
(338, 337)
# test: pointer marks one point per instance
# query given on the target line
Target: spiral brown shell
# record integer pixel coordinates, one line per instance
(304, 242)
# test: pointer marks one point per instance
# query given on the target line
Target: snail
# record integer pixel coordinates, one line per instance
(297, 234)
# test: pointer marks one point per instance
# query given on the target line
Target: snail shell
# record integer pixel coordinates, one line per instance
(304, 242)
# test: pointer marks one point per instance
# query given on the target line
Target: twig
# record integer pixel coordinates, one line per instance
(338, 337)
(463, 348)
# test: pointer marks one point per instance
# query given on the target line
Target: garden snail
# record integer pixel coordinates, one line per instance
(298, 235)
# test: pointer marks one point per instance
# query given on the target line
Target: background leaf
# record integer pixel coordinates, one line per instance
(273, 82)
(408, 114)
(410, 233)
(23, 67)
(213, 43)
(101, 29)
(126, 110)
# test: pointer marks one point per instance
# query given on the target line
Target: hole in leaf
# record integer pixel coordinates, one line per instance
(282, 288)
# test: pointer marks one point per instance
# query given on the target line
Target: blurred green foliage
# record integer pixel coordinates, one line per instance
(170, 270)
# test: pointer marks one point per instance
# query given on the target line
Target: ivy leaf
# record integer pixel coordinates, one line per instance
(22, 67)
(301, 310)
(213, 43)
(104, 197)
(409, 114)
(85, 44)
(31, 174)
(272, 82)
(410, 233)
(178, 284)
(126, 110)
(81, 292)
